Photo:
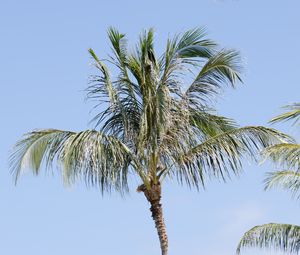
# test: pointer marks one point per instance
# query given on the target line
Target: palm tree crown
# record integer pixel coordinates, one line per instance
(152, 122)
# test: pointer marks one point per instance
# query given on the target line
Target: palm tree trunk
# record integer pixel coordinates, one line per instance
(157, 215)
(153, 195)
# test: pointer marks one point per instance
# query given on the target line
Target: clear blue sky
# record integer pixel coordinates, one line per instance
(44, 67)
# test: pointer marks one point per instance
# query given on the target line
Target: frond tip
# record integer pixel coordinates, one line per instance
(282, 237)
(293, 113)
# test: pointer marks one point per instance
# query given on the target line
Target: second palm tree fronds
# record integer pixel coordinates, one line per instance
(152, 123)
(284, 237)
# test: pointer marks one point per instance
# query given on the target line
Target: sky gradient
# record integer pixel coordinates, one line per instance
(44, 70)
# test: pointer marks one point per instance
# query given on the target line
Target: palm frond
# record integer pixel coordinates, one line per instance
(134, 66)
(119, 45)
(121, 116)
(222, 68)
(102, 87)
(283, 237)
(188, 48)
(286, 155)
(293, 113)
(146, 49)
(98, 159)
(193, 44)
(126, 87)
(210, 124)
(288, 180)
(221, 155)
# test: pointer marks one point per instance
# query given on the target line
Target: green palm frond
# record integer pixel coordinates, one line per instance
(221, 155)
(189, 48)
(283, 237)
(104, 89)
(126, 87)
(286, 155)
(210, 124)
(193, 44)
(293, 113)
(148, 60)
(220, 69)
(121, 117)
(119, 46)
(288, 180)
(98, 159)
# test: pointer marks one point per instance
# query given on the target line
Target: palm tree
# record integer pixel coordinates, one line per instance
(152, 122)
(285, 237)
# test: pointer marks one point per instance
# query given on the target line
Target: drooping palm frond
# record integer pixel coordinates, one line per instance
(222, 68)
(99, 159)
(282, 237)
(221, 155)
(293, 113)
(288, 180)
(286, 155)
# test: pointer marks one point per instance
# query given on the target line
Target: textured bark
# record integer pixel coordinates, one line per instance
(153, 195)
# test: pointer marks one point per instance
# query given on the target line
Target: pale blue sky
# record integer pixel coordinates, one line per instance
(44, 67)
